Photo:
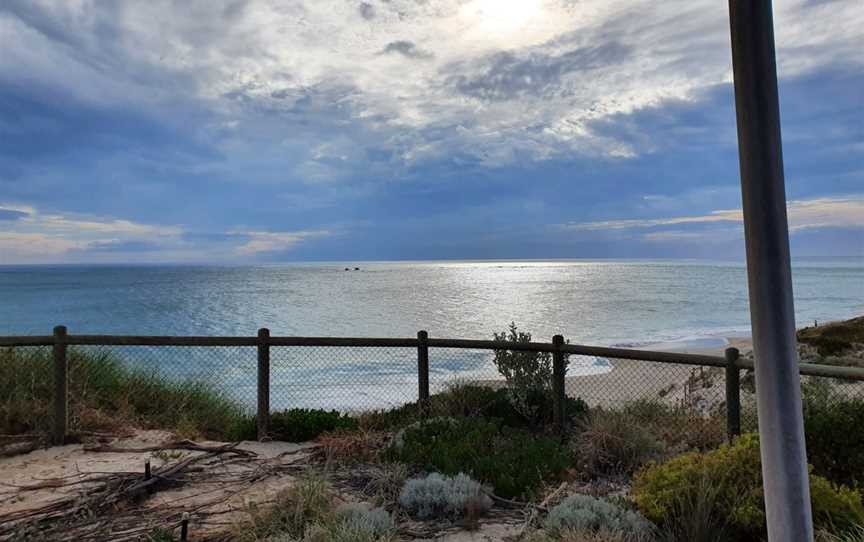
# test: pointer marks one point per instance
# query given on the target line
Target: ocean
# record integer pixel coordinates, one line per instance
(611, 302)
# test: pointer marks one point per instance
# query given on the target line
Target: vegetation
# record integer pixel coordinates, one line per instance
(297, 424)
(438, 496)
(586, 514)
(106, 393)
(461, 400)
(834, 448)
(687, 482)
(610, 443)
(734, 471)
(301, 505)
(515, 462)
(306, 513)
(528, 374)
(855, 534)
(834, 338)
(678, 427)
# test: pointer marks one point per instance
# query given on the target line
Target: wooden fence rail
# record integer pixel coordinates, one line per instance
(560, 350)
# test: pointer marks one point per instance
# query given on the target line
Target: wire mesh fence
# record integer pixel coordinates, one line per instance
(170, 384)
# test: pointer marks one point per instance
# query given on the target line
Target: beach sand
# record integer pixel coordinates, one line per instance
(631, 380)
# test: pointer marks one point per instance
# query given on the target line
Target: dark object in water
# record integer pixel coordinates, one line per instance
(346, 269)
(356, 269)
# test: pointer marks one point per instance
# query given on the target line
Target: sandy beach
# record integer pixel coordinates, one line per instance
(631, 380)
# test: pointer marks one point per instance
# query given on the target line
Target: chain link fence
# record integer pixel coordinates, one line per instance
(173, 385)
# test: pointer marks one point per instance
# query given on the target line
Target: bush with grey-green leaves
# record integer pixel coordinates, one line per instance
(583, 513)
(440, 496)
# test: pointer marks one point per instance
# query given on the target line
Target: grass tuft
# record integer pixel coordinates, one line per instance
(105, 393)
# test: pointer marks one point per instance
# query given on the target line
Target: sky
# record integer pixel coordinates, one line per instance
(247, 131)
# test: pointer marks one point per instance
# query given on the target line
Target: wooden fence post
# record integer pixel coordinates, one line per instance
(423, 372)
(733, 393)
(61, 387)
(558, 388)
(263, 415)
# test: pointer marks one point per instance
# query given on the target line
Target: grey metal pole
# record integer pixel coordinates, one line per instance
(778, 391)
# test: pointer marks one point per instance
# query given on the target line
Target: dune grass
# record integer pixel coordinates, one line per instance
(106, 393)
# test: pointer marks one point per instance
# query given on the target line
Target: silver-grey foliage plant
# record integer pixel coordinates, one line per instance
(437, 495)
(359, 518)
(583, 513)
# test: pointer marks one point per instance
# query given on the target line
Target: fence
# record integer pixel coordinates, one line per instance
(339, 373)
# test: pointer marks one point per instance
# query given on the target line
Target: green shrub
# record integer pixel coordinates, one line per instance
(835, 451)
(296, 424)
(528, 374)
(513, 461)
(471, 400)
(439, 496)
(735, 471)
(586, 514)
(614, 443)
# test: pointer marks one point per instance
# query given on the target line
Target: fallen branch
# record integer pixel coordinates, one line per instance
(187, 445)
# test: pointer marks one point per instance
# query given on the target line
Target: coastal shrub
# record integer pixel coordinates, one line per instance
(298, 424)
(694, 517)
(459, 399)
(586, 514)
(735, 471)
(462, 399)
(348, 446)
(357, 522)
(305, 503)
(835, 451)
(602, 535)
(351, 522)
(440, 496)
(612, 442)
(108, 392)
(528, 374)
(680, 428)
(386, 481)
(514, 461)
(855, 534)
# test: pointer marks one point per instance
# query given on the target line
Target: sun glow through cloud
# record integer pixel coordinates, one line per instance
(505, 21)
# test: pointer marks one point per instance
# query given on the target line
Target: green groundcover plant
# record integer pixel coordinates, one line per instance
(514, 461)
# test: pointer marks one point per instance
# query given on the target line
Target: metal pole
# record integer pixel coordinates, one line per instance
(778, 391)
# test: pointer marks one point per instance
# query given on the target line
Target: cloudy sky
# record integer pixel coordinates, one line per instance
(273, 130)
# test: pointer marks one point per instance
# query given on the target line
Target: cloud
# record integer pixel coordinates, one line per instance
(263, 242)
(536, 73)
(7, 214)
(408, 49)
(815, 213)
(510, 75)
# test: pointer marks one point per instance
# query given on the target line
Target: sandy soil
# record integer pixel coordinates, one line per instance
(216, 498)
